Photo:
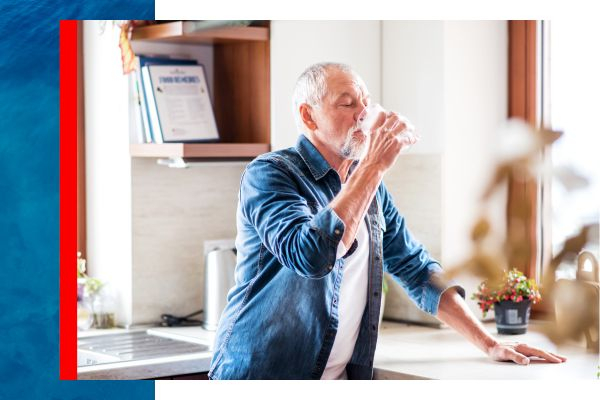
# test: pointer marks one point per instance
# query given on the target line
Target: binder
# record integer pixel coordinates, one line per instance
(140, 62)
(179, 104)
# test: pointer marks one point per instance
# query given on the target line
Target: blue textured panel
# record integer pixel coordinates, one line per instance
(29, 198)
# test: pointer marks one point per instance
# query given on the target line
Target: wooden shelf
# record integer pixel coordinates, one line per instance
(199, 150)
(240, 63)
(183, 32)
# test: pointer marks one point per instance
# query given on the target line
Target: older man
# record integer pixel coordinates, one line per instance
(316, 229)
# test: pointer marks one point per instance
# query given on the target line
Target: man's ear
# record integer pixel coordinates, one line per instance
(306, 116)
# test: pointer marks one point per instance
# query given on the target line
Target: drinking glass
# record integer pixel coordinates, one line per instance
(370, 116)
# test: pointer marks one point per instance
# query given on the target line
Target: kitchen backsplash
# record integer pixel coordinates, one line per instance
(176, 210)
(415, 184)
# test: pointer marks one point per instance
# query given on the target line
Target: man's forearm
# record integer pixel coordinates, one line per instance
(353, 200)
(454, 312)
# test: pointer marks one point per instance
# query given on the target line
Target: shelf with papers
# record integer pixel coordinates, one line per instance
(237, 65)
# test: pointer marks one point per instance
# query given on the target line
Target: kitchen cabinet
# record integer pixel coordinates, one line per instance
(240, 86)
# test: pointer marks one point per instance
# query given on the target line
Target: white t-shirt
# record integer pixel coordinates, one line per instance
(351, 305)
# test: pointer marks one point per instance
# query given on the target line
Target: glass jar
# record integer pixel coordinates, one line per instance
(85, 317)
(104, 307)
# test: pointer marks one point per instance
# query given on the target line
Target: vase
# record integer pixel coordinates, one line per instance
(512, 318)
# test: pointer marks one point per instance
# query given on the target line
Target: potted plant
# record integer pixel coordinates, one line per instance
(511, 299)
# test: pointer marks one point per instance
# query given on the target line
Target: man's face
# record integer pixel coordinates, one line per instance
(338, 117)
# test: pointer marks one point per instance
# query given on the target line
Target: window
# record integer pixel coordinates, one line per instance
(571, 95)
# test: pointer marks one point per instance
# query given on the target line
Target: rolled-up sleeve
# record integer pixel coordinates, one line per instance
(304, 241)
(409, 263)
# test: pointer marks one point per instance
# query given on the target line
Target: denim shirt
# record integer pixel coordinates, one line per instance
(281, 316)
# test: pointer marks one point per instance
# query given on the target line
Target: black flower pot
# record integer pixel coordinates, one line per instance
(512, 318)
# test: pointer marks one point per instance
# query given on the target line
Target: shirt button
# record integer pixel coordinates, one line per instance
(377, 258)
(374, 327)
(337, 232)
(376, 294)
(330, 267)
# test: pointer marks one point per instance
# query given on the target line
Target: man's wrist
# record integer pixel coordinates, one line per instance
(372, 170)
(489, 345)
(372, 166)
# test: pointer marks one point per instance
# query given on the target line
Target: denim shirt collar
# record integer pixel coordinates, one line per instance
(316, 163)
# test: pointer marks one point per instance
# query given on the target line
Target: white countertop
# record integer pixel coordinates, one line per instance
(403, 352)
(417, 352)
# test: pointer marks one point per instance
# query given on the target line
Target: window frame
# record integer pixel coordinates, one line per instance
(523, 103)
(529, 100)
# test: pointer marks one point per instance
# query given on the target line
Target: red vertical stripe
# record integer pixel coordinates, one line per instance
(68, 199)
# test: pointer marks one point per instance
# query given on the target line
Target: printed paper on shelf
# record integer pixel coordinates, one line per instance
(183, 107)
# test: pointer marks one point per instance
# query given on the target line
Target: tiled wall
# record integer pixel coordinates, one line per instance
(174, 212)
(415, 184)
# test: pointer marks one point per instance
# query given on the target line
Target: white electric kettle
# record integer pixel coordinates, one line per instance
(219, 278)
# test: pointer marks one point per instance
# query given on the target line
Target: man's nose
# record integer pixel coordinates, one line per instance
(362, 114)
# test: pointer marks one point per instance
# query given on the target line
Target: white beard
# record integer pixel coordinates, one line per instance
(353, 148)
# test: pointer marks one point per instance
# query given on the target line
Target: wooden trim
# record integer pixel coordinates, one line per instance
(81, 198)
(523, 70)
(523, 104)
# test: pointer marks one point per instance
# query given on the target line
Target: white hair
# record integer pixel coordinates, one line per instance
(311, 88)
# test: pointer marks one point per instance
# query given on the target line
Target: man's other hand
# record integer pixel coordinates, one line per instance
(520, 353)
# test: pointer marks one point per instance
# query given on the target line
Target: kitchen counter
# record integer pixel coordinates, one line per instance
(403, 352)
(417, 352)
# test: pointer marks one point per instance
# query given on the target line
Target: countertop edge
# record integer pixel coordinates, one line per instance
(148, 370)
